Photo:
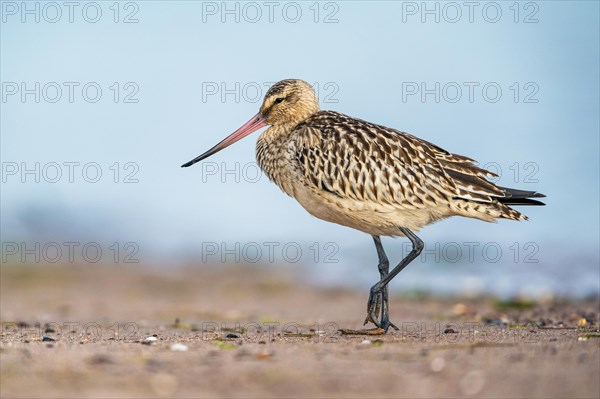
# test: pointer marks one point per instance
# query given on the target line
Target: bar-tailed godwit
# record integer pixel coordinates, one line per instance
(369, 177)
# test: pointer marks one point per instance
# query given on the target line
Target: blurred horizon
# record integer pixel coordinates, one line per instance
(97, 117)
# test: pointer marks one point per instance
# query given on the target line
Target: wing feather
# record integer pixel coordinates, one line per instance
(359, 160)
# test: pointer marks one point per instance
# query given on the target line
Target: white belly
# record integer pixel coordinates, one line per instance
(369, 217)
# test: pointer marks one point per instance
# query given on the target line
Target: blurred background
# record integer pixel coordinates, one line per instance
(102, 103)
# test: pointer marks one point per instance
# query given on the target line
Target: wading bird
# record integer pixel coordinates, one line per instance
(369, 177)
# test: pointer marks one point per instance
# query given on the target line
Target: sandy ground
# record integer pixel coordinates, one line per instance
(132, 331)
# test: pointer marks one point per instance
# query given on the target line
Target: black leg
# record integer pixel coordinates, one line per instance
(378, 297)
(382, 299)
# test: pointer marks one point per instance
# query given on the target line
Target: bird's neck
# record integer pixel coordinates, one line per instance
(271, 155)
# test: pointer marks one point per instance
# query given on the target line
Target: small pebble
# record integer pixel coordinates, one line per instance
(232, 335)
(178, 347)
(99, 359)
(438, 364)
(366, 342)
(150, 340)
(265, 355)
(48, 339)
(460, 309)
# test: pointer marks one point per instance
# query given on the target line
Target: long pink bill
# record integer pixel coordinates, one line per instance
(255, 123)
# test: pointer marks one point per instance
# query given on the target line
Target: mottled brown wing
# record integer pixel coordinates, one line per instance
(359, 160)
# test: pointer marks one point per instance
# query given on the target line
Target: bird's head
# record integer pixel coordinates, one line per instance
(286, 104)
(289, 102)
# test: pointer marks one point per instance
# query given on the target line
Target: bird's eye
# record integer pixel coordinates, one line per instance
(278, 100)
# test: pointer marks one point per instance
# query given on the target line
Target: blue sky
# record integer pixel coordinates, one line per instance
(169, 70)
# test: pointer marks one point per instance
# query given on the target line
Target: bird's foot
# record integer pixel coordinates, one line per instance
(386, 324)
(378, 305)
(373, 307)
